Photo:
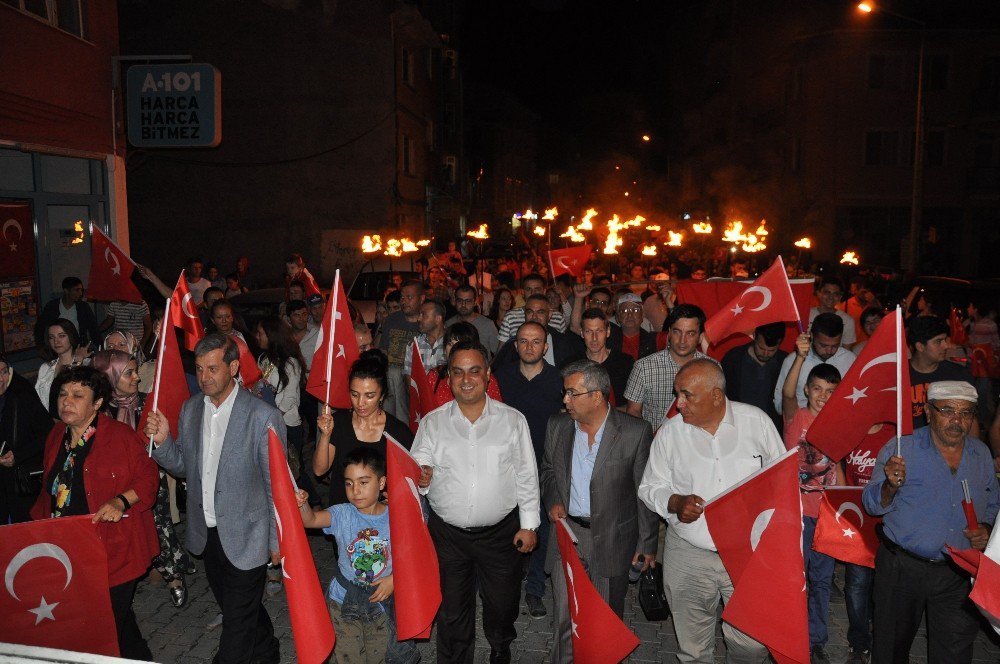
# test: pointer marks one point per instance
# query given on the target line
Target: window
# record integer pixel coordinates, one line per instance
(553, 178)
(63, 14)
(881, 148)
(406, 67)
(408, 164)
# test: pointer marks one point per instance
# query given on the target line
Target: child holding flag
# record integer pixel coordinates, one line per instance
(360, 594)
(816, 471)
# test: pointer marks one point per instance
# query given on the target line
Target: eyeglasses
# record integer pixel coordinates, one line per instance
(951, 413)
(631, 310)
(572, 394)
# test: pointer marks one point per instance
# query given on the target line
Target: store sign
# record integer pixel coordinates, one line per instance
(174, 106)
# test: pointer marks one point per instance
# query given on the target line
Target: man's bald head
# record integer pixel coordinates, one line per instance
(701, 393)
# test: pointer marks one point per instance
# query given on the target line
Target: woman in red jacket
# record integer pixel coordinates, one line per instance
(96, 465)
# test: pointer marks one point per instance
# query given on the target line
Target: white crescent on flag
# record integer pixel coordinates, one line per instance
(108, 256)
(12, 223)
(759, 526)
(852, 507)
(561, 262)
(186, 307)
(763, 290)
(881, 359)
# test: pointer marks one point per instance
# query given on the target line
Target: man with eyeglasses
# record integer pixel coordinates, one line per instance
(534, 388)
(586, 297)
(560, 347)
(628, 336)
(466, 300)
(598, 496)
(919, 493)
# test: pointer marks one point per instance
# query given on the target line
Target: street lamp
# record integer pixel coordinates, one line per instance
(917, 200)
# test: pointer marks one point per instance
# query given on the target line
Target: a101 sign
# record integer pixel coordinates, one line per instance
(174, 106)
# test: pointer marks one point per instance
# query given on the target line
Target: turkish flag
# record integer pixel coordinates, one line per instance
(309, 281)
(415, 571)
(984, 567)
(56, 586)
(757, 528)
(249, 370)
(17, 240)
(111, 270)
(967, 559)
(421, 398)
(747, 311)
(336, 351)
(184, 314)
(867, 394)
(844, 531)
(170, 387)
(956, 331)
(716, 295)
(569, 261)
(311, 626)
(599, 635)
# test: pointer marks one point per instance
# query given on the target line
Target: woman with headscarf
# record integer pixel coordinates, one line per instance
(24, 424)
(125, 405)
(93, 464)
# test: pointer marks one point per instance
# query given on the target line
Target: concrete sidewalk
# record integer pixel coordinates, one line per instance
(181, 635)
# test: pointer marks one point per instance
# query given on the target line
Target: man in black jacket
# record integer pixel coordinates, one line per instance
(562, 347)
(24, 426)
(71, 307)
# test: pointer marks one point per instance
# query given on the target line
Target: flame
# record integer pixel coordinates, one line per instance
(752, 245)
(653, 227)
(551, 214)
(371, 244)
(612, 242)
(423, 243)
(528, 214)
(587, 224)
(648, 250)
(804, 243)
(850, 258)
(734, 232)
(635, 221)
(78, 232)
(761, 231)
(408, 245)
(675, 239)
(482, 233)
(540, 231)
(702, 228)
(393, 247)
(573, 235)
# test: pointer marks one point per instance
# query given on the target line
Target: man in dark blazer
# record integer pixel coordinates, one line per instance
(594, 460)
(221, 448)
(562, 349)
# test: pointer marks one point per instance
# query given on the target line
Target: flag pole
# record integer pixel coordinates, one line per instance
(899, 380)
(159, 365)
(333, 331)
(784, 272)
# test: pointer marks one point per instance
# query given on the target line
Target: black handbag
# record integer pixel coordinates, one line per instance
(651, 596)
(27, 479)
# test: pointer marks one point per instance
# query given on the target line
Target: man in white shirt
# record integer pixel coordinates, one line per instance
(827, 334)
(481, 479)
(531, 284)
(715, 444)
(829, 296)
(197, 284)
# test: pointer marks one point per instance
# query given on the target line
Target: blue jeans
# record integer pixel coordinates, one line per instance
(858, 593)
(535, 583)
(819, 574)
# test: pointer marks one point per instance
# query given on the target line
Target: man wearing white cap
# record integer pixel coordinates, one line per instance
(919, 494)
(628, 336)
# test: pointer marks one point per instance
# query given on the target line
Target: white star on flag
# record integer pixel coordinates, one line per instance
(857, 395)
(340, 351)
(13, 247)
(737, 310)
(44, 611)
(849, 533)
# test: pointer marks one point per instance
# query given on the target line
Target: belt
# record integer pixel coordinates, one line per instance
(482, 529)
(895, 548)
(583, 522)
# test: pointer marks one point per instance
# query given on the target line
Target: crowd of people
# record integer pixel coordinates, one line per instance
(555, 402)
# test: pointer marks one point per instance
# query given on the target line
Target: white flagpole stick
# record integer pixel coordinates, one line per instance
(798, 319)
(899, 380)
(333, 329)
(159, 365)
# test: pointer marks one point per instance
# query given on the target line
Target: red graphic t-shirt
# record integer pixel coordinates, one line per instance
(858, 465)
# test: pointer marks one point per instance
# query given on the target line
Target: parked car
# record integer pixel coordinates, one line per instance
(369, 287)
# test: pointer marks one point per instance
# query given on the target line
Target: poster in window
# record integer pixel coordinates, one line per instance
(18, 312)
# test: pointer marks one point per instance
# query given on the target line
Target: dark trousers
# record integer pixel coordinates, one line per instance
(296, 437)
(819, 573)
(131, 645)
(858, 594)
(485, 559)
(535, 583)
(247, 633)
(904, 589)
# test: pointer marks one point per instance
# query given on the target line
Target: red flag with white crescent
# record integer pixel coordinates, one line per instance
(310, 617)
(767, 300)
(309, 282)
(599, 635)
(336, 351)
(415, 569)
(867, 393)
(55, 593)
(757, 528)
(844, 530)
(111, 271)
(422, 399)
(572, 260)
(184, 313)
(170, 387)
(17, 240)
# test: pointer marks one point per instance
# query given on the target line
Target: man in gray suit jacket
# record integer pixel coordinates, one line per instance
(594, 460)
(221, 448)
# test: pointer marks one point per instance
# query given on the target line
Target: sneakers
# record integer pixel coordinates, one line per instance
(536, 609)
(817, 655)
(863, 657)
